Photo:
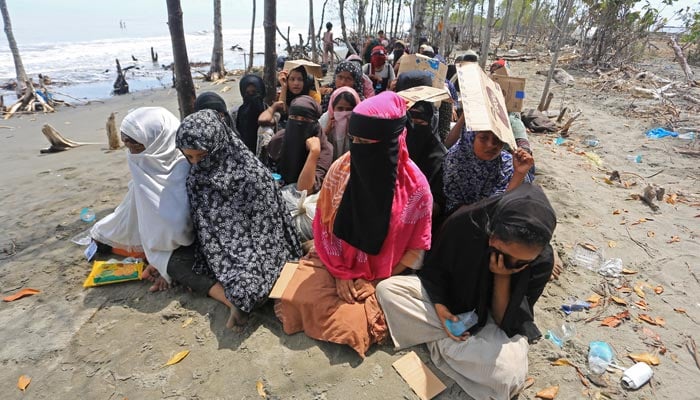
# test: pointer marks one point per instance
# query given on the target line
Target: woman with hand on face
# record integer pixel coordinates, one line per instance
(335, 120)
(294, 83)
(154, 217)
(244, 234)
(301, 153)
(478, 167)
(372, 221)
(493, 258)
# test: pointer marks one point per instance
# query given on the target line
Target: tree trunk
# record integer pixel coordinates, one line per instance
(270, 23)
(470, 21)
(216, 69)
(486, 43)
(445, 20)
(19, 67)
(314, 50)
(181, 63)
(517, 23)
(562, 23)
(391, 23)
(533, 20)
(323, 16)
(252, 36)
(396, 21)
(418, 22)
(506, 22)
(481, 23)
(361, 28)
(343, 30)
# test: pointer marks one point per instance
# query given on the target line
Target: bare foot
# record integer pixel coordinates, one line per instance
(150, 273)
(237, 319)
(159, 283)
(558, 267)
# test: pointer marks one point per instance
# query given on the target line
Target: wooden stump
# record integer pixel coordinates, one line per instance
(112, 133)
(57, 141)
(121, 86)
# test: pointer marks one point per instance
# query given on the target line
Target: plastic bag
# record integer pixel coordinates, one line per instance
(302, 208)
(106, 272)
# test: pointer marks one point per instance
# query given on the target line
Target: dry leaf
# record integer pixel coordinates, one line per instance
(623, 315)
(680, 310)
(612, 244)
(660, 321)
(548, 393)
(616, 212)
(23, 382)
(641, 304)
(628, 271)
(562, 361)
(22, 293)
(618, 300)
(639, 290)
(640, 221)
(261, 389)
(651, 234)
(671, 198)
(659, 289)
(651, 334)
(187, 322)
(177, 357)
(529, 382)
(593, 299)
(624, 289)
(645, 357)
(588, 246)
(674, 239)
(611, 322)
(654, 321)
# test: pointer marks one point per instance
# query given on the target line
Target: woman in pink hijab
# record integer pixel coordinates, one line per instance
(343, 101)
(372, 221)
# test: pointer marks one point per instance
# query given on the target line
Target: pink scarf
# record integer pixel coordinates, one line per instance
(410, 221)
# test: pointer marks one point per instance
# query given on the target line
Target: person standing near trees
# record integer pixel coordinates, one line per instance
(328, 53)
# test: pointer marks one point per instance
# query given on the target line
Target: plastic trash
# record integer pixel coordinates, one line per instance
(600, 356)
(277, 178)
(465, 322)
(87, 215)
(559, 141)
(577, 305)
(637, 375)
(635, 158)
(562, 334)
(611, 268)
(82, 239)
(658, 133)
(585, 256)
(592, 142)
(686, 136)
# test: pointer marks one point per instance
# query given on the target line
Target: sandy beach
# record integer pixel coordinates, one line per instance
(112, 342)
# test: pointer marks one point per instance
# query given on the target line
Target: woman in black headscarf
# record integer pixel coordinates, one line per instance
(212, 101)
(243, 230)
(295, 83)
(493, 258)
(246, 116)
(301, 153)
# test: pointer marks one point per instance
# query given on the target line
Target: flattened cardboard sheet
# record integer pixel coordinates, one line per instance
(418, 376)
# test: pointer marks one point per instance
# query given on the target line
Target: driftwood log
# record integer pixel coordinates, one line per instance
(57, 141)
(121, 86)
(564, 131)
(112, 134)
(689, 76)
(154, 56)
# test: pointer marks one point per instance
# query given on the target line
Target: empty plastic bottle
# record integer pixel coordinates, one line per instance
(600, 355)
(636, 158)
(686, 136)
(87, 215)
(465, 322)
(591, 142)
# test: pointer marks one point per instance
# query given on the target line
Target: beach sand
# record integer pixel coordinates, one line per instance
(112, 342)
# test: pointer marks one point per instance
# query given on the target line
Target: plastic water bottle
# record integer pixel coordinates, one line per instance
(636, 158)
(686, 136)
(562, 334)
(600, 355)
(465, 322)
(87, 215)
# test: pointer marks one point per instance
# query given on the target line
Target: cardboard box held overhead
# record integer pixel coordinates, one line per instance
(311, 68)
(423, 93)
(412, 62)
(513, 90)
(483, 103)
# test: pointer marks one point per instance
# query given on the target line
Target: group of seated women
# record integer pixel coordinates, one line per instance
(208, 213)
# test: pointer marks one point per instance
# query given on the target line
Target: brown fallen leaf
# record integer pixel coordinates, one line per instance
(628, 271)
(623, 315)
(612, 244)
(641, 304)
(177, 357)
(548, 393)
(645, 358)
(674, 239)
(23, 382)
(618, 300)
(261, 389)
(593, 300)
(672, 198)
(640, 221)
(611, 321)
(660, 321)
(616, 212)
(624, 289)
(21, 293)
(651, 334)
(529, 382)
(680, 310)
(588, 246)
(659, 289)
(651, 234)
(562, 361)
(639, 290)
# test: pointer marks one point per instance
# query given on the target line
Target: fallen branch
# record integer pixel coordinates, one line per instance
(57, 141)
(690, 98)
(643, 246)
(689, 76)
(565, 129)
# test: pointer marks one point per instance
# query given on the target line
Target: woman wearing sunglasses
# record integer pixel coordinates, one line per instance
(493, 258)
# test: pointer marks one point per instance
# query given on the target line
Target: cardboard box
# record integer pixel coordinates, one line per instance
(513, 90)
(423, 93)
(483, 103)
(311, 68)
(283, 281)
(412, 62)
(418, 376)
(502, 71)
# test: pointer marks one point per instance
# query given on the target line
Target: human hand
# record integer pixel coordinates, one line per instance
(364, 289)
(345, 289)
(392, 85)
(278, 106)
(313, 145)
(444, 314)
(325, 90)
(282, 77)
(522, 162)
(497, 265)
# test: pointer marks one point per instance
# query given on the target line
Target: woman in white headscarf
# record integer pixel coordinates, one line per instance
(154, 217)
